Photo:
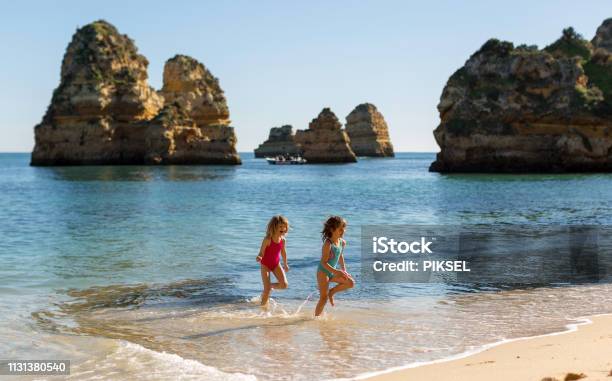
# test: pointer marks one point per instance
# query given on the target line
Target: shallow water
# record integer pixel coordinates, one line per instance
(149, 272)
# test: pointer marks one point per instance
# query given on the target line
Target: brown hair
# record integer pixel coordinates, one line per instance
(332, 223)
(274, 225)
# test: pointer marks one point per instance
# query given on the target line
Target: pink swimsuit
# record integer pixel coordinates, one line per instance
(272, 253)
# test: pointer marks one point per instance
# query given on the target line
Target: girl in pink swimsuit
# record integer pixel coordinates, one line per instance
(271, 250)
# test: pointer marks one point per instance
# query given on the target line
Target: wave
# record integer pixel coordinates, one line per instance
(132, 361)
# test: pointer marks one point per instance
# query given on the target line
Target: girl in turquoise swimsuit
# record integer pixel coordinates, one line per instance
(331, 255)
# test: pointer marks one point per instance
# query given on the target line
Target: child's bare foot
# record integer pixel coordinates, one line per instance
(331, 297)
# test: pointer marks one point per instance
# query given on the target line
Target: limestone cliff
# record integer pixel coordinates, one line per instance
(368, 132)
(189, 86)
(103, 91)
(325, 141)
(104, 111)
(281, 141)
(172, 137)
(188, 83)
(522, 109)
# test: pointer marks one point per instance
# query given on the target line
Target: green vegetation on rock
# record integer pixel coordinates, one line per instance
(98, 47)
(500, 78)
(600, 76)
(496, 47)
(570, 44)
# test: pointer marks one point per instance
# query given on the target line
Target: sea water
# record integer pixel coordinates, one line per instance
(138, 272)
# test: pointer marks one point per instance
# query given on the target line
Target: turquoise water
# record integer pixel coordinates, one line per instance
(158, 263)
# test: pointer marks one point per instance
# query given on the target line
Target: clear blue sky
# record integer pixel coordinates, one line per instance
(281, 62)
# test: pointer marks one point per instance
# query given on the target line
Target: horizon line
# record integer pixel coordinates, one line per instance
(240, 152)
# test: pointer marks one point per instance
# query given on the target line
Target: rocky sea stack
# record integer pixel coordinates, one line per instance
(104, 111)
(193, 125)
(281, 141)
(325, 141)
(524, 109)
(367, 129)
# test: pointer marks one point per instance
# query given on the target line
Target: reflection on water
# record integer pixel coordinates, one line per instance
(509, 177)
(137, 173)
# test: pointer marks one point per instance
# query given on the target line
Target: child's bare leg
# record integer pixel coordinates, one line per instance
(323, 283)
(267, 286)
(343, 284)
(280, 276)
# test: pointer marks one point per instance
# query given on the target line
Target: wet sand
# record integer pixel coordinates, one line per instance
(585, 349)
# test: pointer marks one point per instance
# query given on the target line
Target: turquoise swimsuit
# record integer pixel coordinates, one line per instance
(336, 251)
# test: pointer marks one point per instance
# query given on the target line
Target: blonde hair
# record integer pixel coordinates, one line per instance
(274, 225)
(331, 224)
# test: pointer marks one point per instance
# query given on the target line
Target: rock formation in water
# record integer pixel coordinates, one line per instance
(195, 120)
(103, 93)
(325, 141)
(280, 142)
(173, 137)
(368, 131)
(521, 109)
(104, 111)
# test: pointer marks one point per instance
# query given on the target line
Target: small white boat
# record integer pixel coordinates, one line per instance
(286, 160)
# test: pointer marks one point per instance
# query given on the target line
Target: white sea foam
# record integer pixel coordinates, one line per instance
(274, 309)
(133, 361)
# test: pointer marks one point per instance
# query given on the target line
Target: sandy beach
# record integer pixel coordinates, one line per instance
(585, 349)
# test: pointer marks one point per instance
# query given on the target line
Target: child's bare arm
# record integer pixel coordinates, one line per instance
(284, 255)
(264, 244)
(343, 267)
(341, 260)
(342, 263)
